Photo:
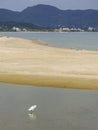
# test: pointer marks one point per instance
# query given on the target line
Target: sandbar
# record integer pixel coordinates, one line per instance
(30, 62)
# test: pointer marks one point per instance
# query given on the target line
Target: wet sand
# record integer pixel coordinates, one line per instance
(34, 63)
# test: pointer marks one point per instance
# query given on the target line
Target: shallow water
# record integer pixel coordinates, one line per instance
(58, 109)
(78, 40)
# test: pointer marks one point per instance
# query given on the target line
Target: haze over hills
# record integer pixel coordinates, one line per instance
(52, 17)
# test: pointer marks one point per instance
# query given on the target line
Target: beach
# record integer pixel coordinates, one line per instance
(32, 62)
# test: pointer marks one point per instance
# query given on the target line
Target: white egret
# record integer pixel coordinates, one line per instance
(32, 108)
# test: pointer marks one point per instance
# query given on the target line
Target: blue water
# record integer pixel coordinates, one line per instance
(78, 40)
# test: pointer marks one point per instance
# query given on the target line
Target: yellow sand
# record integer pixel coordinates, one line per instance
(31, 62)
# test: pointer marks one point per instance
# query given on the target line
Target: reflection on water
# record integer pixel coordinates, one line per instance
(32, 116)
(58, 109)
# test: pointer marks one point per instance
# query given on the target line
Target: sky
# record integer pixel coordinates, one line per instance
(19, 5)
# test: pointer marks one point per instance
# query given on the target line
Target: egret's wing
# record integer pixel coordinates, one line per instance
(32, 108)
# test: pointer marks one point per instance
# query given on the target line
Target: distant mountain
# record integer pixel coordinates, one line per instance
(52, 17)
(8, 15)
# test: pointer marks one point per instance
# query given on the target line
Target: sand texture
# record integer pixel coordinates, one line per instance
(34, 63)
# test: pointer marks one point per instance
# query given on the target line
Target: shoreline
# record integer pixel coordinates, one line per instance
(31, 62)
(51, 81)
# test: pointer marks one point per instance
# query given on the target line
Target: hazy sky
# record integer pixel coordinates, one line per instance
(62, 4)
